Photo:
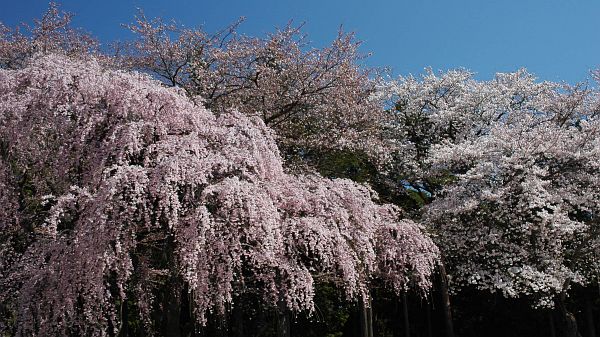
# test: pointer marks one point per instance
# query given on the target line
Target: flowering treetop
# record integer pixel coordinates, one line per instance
(511, 165)
(114, 184)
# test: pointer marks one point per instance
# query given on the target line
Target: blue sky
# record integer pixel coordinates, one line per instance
(557, 40)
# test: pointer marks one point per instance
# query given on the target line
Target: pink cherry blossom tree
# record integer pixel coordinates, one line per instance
(51, 33)
(118, 190)
(316, 100)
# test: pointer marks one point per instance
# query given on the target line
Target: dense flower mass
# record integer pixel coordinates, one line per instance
(169, 188)
(524, 209)
(316, 99)
(515, 163)
(114, 186)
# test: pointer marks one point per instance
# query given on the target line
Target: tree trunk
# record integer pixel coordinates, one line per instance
(598, 284)
(124, 331)
(370, 318)
(551, 324)
(366, 318)
(364, 321)
(446, 301)
(172, 305)
(428, 313)
(238, 320)
(261, 326)
(172, 294)
(284, 328)
(589, 318)
(568, 324)
(187, 322)
(405, 314)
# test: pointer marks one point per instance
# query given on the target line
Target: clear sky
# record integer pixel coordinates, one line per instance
(557, 40)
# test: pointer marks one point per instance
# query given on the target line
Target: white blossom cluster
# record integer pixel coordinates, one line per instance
(516, 167)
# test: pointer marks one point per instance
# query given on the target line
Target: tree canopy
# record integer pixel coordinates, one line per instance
(186, 176)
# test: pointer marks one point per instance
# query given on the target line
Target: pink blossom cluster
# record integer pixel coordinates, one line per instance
(114, 186)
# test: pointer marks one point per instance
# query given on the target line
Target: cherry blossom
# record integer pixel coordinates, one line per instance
(121, 187)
